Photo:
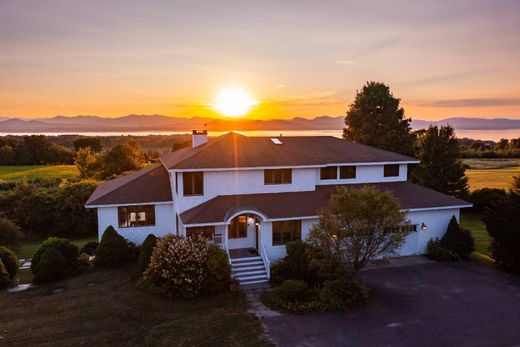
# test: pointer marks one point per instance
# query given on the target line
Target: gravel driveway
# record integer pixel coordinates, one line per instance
(431, 304)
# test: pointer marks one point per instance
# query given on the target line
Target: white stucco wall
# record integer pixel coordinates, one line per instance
(164, 223)
(436, 222)
(242, 182)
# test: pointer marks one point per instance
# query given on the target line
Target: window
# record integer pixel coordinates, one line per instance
(193, 183)
(329, 173)
(406, 228)
(278, 176)
(347, 172)
(208, 232)
(392, 170)
(136, 216)
(238, 227)
(286, 231)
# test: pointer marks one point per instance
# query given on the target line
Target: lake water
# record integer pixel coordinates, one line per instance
(493, 135)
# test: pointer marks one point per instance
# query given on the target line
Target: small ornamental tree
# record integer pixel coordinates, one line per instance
(458, 240)
(67, 249)
(146, 252)
(112, 250)
(356, 226)
(177, 267)
(52, 266)
(218, 278)
(10, 261)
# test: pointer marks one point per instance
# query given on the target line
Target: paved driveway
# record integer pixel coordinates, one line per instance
(462, 304)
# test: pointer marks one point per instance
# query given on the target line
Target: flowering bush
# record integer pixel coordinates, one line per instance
(177, 267)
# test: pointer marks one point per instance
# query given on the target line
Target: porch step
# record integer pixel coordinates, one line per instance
(249, 270)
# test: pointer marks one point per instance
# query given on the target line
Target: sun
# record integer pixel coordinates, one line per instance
(233, 102)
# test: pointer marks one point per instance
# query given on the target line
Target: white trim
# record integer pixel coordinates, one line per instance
(132, 204)
(260, 214)
(438, 208)
(296, 166)
(267, 220)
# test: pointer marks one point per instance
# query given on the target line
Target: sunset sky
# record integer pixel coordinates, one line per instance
(296, 58)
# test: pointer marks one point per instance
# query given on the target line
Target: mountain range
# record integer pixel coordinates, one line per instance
(134, 122)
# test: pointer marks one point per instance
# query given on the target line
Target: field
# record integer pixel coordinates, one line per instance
(106, 308)
(13, 173)
(491, 173)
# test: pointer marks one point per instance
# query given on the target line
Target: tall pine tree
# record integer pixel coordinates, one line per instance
(376, 119)
(441, 168)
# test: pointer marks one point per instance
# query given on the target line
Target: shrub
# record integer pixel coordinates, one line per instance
(356, 295)
(177, 267)
(146, 252)
(458, 240)
(218, 277)
(10, 233)
(51, 266)
(333, 297)
(112, 250)
(295, 265)
(503, 225)
(486, 198)
(435, 251)
(67, 249)
(83, 263)
(89, 248)
(4, 276)
(10, 261)
(294, 290)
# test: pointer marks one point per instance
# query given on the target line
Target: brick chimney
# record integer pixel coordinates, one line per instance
(199, 137)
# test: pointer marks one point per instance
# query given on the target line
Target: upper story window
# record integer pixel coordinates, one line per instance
(347, 172)
(278, 176)
(193, 183)
(286, 231)
(136, 216)
(329, 173)
(392, 170)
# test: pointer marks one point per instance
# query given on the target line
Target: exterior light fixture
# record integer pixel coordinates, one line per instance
(424, 227)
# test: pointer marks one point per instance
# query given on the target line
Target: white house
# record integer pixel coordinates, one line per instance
(252, 195)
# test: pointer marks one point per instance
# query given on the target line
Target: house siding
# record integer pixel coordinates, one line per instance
(164, 223)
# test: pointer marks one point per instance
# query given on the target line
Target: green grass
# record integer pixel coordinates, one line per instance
(12, 173)
(106, 308)
(491, 178)
(27, 249)
(473, 222)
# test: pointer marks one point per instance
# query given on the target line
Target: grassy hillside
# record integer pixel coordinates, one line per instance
(491, 173)
(11, 173)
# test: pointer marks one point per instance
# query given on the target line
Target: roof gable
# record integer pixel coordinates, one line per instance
(148, 185)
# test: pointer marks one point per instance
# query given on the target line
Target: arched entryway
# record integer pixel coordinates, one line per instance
(243, 232)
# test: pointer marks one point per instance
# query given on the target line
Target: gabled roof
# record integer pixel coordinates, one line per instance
(307, 204)
(148, 185)
(233, 150)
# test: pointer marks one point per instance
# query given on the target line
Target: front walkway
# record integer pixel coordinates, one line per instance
(428, 304)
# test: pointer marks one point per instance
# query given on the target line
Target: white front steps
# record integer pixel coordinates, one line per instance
(249, 270)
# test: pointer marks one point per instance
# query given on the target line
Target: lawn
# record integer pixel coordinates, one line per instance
(106, 308)
(27, 249)
(11, 173)
(473, 222)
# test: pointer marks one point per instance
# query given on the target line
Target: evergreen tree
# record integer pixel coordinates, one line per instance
(441, 168)
(376, 119)
(458, 240)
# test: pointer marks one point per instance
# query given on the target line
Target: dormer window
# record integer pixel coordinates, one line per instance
(278, 176)
(391, 170)
(193, 183)
(329, 173)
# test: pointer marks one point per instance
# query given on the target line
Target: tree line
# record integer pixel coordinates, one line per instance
(504, 148)
(375, 118)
